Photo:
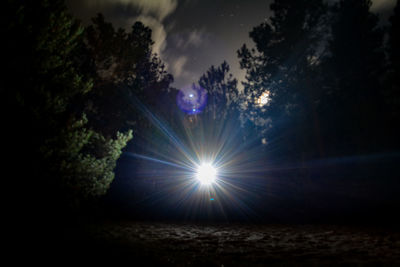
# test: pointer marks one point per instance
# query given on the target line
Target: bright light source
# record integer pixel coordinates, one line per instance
(206, 174)
(263, 99)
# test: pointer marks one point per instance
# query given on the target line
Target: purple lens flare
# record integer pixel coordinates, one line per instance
(192, 99)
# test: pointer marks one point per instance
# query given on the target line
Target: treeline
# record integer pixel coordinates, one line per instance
(318, 115)
(73, 96)
(330, 78)
(67, 100)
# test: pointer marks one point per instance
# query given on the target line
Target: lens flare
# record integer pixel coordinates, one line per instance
(206, 174)
(192, 99)
(196, 161)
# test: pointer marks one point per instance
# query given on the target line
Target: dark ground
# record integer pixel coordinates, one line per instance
(223, 244)
(358, 227)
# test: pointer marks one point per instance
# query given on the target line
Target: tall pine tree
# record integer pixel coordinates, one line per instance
(64, 161)
(352, 102)
(392, 82)
(124, 68)
(282, 66)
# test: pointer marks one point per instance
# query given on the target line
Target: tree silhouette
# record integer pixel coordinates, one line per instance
(394, 39)
(125, 68)
(352, 100)
(222, 93)
(282, 66)
(68, 160)
(392, 81)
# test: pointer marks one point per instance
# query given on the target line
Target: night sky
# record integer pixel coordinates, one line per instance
(192, 35)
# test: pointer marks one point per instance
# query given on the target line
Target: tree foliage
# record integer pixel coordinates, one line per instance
(222, 93)
(43, 86)
(282, 65)
(124, 68)
(352, 99)
(392, 81)
(324, 69)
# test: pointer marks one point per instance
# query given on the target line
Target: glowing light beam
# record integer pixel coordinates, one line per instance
(206, 174)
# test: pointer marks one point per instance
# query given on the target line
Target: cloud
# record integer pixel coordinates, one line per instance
(178, 66)
(179, 69)
(378, 5)
(150, 12)
(158, 9)
(194, 38)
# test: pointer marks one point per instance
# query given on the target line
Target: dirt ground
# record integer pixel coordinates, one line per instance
(166, 244)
